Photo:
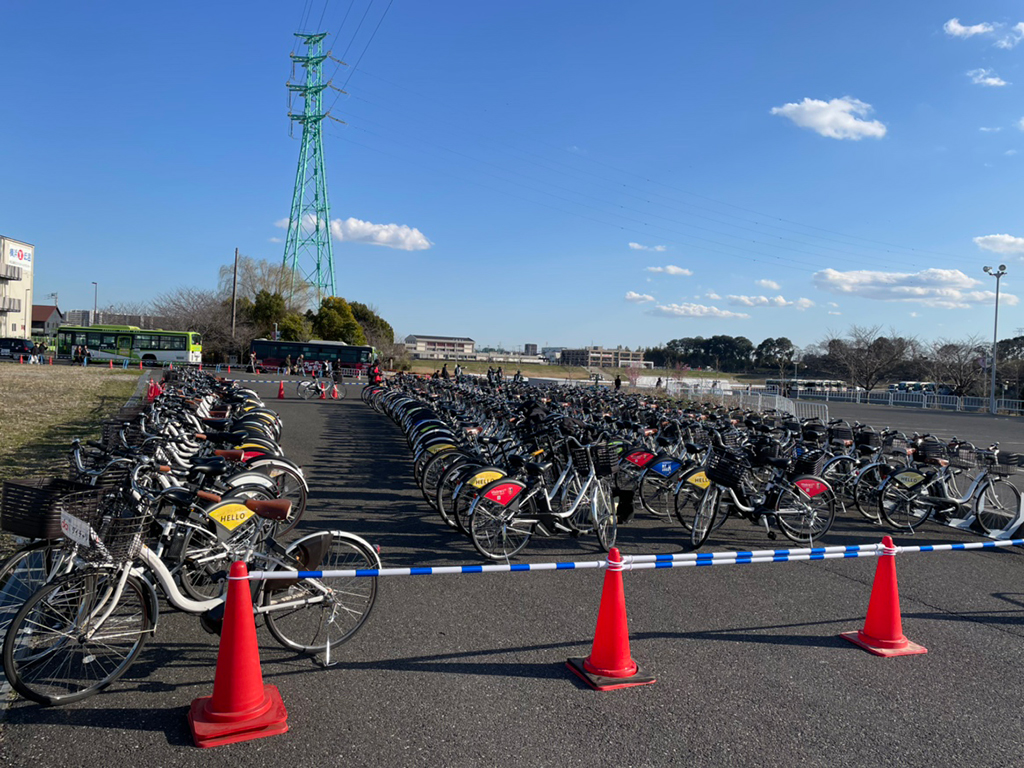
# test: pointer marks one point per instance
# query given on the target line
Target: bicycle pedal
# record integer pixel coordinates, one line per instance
(212, 621)
(772, 535)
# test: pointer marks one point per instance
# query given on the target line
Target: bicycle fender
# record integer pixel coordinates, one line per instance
(811, 486)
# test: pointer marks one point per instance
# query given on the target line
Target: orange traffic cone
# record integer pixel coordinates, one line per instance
(883, 628)
(242, 708)
(229, 369)
(280, 391)
(140, 365)
(323, 393)
(609, 665)
(334, 392)
(111, 363)
(51, 360)
(21, 359)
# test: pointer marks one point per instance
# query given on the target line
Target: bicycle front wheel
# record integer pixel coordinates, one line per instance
(704, 517)
(605, 515)
(657, 493)
(997, 506)
(25, 572)
(312, 615)
(305, 390)
(59, 647)
(865, 490)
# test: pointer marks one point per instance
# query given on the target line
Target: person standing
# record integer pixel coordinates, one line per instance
(618, 382)
(288, 364)
(458, 372)
(444, 372)
(85, 355)
(657, 384)
(252, 362)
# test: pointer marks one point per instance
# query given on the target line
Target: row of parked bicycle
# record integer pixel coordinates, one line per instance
(501, 467)
(160, 507)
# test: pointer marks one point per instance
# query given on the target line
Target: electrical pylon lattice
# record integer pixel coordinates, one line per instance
(307, 249)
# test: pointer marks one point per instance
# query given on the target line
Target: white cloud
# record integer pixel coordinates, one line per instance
(638, 247)
(1010, 152)
(956, 29)
(1015, 35)
(835, 313)
(399, 236)
(1020, 123)
(276, 240)
(990, 130)
(671, 269)
(771, 285)
(944, 288)
(833, 304)
(769, 301)
(713, 296)
(638, 298)
(915, 314)
(1001, 244)
(986, 77)
(836, 119)
(693, 310)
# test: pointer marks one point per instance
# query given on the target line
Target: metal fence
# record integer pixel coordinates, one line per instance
(913, 400)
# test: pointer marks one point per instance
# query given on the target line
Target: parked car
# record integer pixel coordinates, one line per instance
(14, 347)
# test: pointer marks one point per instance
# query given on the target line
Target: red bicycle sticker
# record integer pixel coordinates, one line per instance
(811, 487)
(640, 458)
(504, 493)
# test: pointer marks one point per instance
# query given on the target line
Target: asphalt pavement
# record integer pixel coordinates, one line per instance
(470, 670)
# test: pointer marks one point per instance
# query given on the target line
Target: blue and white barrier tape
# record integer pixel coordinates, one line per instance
(645, 562)
(289, 381)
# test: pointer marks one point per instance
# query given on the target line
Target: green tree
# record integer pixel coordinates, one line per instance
(267, 310)
(377, 330)
(295, 327)
(334, 322)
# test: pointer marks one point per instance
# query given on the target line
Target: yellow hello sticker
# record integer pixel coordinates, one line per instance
(909, 478)
(699, 479)
(481, 479)
(231, 515)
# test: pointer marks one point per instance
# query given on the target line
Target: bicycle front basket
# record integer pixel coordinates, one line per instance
(726, 468)
(31, 508)
(106, 527)
(604, 459)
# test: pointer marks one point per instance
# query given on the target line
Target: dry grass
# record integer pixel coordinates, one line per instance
(43, 407)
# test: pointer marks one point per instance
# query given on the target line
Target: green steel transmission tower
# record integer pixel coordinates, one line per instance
(307, 249)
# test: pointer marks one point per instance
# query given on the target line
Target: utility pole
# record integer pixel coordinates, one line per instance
(234, 295)
(307, 250)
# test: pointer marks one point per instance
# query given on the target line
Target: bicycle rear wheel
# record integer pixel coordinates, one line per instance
(496, 532)
(657, 493)
(56, 652)
(311, 615)
(865, 491)
(997, 506)
(803, 518)
(605, 516)
(900, 506)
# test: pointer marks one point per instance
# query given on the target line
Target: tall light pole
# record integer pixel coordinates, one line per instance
(997, 274)
(95, 298)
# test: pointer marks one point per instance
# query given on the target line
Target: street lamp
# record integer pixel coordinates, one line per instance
(95, 297)
(997, 274)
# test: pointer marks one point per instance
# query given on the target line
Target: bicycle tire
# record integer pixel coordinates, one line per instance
(304, 389)
(204, 565)
(47, 656)
(865, 491)
(657, 493)
(899, 506)
(446, 489)
(605, 515)
(997, 505)
(803, 518)
(704, 516)
(690, 488)
(23, 574)
(291, 485)
(494, 530)
(347, 600)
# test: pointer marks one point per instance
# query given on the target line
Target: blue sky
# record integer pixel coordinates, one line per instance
(558, 173)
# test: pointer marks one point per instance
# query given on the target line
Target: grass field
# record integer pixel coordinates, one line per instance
(43, 407)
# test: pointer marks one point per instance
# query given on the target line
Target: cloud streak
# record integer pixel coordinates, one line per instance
(398, 236)
(638, 247)
(1001, 244)
(942, 288)
(954, 28)
(986, 77)
(769, 301)
(638, 298)
(693, 310)
(836, 119)
(671, 269)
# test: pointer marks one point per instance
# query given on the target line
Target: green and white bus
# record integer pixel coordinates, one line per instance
(129, 342)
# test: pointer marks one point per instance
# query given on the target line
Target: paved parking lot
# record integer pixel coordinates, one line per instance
(469, 670)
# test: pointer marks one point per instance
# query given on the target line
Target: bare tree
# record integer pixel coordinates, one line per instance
(205, 312)
(955, 363)
(866, 357)
(273, 277)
